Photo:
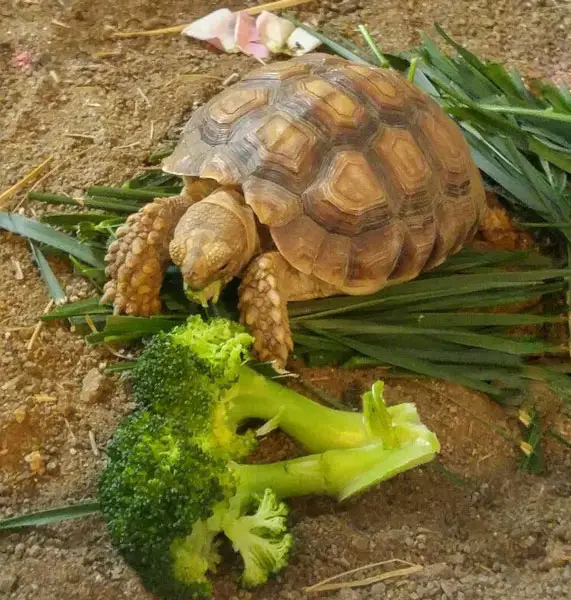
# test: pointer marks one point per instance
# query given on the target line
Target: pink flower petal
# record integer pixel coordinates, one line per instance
(247, 38)
(245, 31)
(257, 50)
(23, 61)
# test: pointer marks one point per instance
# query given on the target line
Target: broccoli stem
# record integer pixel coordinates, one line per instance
(338, 473)
(316, 427)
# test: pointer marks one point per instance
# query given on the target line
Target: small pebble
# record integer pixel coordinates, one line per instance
(20, 414)
(36, 462)
(360, 543)
(93, 387)
(457, 559)
(378, 589)
(8, 582)
(449, 588)
(19, 550)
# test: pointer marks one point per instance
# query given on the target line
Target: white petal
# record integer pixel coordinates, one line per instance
(273, 30)
(210, 26)
(301, 42)
(227, 35)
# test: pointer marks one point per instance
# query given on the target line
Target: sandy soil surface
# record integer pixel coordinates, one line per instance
(101, 104)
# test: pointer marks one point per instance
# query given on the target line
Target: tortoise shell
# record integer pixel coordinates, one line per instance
(360, 177)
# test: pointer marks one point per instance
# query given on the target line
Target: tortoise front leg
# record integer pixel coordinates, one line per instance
(138, 258)
(268, 284)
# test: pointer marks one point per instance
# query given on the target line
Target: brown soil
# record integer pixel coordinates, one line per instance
(496, 533)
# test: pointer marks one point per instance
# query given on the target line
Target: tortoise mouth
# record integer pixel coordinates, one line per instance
(210, 293)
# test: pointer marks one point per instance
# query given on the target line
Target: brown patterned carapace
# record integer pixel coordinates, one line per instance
(351, 167)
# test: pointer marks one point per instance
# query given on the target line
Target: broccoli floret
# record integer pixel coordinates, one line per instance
(259, 534)
(149, 502)
(173, 379)
(167, 502)
(200, 372)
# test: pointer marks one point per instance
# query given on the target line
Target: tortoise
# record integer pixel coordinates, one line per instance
(310, 177)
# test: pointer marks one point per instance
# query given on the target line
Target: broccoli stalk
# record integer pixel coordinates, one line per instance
(398, 444)
(166, 501)
(200, 371)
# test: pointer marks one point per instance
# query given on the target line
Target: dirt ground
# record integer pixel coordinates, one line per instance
(489, 531)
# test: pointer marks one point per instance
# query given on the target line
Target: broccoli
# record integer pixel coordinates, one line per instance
(150, 504)
(167, 502)
(199, 372)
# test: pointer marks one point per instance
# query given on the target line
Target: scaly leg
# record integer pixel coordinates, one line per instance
(138, 258)
(268, 284)
(499, 231)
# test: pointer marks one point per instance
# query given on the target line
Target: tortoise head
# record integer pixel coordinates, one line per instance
(212, 243)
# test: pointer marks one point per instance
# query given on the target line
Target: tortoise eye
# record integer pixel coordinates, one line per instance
(221, 268)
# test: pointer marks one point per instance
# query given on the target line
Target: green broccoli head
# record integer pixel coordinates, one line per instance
(155, 492)
(166, 502)
(221, 345)
(185, 373)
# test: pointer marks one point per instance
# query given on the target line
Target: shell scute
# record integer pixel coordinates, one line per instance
(404, 160)
(348, 197)
(232, 104)
(332, 104)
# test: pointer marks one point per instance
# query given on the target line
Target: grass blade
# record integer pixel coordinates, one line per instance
(113, 204)
(464, 338)
(55, 290)
(89, 306)
(123, 193)
(45, 234)
(51, 515)
(472, 320)
(121, 367)
(120, 328)
(484, 299)
(338, 48)
(381, 60)
(72, 220)
(410, 363)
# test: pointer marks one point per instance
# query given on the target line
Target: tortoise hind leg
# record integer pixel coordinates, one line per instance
(268, 284)
(138, 258)
(498, 230)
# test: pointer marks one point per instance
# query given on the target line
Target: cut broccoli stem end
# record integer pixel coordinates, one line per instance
(337, 473)
(377, 417)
